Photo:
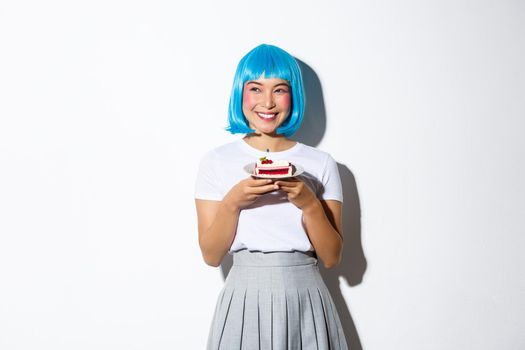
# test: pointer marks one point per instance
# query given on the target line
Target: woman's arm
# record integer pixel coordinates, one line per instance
(218, 219)
(217, 225)
(322, 220)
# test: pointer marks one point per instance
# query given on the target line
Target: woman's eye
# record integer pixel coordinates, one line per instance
(254, 89)
(281, 91)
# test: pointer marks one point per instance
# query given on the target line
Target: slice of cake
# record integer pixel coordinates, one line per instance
(268, 167)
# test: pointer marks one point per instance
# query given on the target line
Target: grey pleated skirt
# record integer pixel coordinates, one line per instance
(275, 301)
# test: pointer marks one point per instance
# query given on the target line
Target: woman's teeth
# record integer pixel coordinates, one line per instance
(266, 116)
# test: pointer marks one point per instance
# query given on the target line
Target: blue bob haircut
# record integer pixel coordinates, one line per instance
(273, 62)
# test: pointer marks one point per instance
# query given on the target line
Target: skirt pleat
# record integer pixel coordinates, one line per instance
(275, 301)
(309, 332)
(221, 315)
(335, 323)
(293, 315)
(280, 321)
(321, 330)
(265, 319)
(233, 326)
(250, 333)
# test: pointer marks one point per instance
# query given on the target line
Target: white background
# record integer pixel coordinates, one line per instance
(107, 106)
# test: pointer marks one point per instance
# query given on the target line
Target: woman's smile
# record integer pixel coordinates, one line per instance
(267, 116)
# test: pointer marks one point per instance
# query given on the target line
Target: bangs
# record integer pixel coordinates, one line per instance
(267, 63)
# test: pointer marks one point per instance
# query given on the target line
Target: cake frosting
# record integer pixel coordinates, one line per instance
(269, 167)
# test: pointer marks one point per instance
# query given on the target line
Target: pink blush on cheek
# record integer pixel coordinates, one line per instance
(286, 100)
(247, 100)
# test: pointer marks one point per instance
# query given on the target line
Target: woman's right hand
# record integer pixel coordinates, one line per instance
(247, 191)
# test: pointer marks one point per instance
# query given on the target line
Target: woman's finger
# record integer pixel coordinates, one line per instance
(290, 180)
(288, 189)
(259, 182)
(286, 184)
(263, 189)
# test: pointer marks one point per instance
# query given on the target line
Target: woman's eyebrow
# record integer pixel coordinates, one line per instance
(257, 83)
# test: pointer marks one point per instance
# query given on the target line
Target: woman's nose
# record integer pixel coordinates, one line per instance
(269, 101)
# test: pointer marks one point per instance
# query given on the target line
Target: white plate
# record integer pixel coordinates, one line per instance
(250, 168)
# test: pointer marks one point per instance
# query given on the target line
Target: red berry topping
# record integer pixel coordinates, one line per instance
(265, 160)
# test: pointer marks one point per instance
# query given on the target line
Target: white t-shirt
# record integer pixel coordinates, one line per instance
(271, 223)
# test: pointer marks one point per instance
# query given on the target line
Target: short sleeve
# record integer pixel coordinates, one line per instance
(207, 185)
(331, 180)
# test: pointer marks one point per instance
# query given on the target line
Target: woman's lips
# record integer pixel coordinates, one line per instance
(267, 116)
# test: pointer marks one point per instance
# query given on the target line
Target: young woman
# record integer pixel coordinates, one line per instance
(273, 297)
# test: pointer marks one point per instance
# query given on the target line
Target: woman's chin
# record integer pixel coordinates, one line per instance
(266, 131)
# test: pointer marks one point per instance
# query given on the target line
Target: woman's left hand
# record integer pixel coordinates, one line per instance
(299, 193)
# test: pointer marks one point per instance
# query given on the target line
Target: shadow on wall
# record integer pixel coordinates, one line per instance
(353, 265)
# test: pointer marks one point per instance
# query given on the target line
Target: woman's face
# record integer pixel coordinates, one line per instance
(266, 103)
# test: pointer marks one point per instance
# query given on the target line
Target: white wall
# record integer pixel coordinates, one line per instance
(106, 107)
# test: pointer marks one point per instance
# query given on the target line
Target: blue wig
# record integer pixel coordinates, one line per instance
(273, 62)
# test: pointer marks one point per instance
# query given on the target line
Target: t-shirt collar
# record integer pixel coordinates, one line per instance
(258, 153)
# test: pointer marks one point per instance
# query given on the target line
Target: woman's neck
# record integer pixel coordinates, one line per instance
(264, 142)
